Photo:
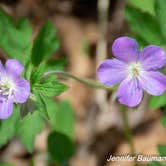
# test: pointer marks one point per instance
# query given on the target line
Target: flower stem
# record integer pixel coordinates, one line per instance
(89, 82)
(127, 130)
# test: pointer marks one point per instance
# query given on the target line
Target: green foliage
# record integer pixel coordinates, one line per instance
(161, 15)
(8, 127)
(60, 141)
(157, 101)
(62, 118)
(35, 56)
(6, 164)
(144, 25)
(60, 147)
(52, 108)
(28, 71)
(45, 44)
(164, 118)
(37, 73)
(15, 37)
(162, 150)
(28, 128)
(150, 29)
(42, 105)
(50, 89)
(155, 163)
(57, 64)
(145, 6)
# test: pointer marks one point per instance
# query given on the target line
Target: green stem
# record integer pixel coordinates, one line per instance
(127, 130)
(89, 82)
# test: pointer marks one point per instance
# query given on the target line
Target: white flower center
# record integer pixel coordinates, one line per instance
(135, 69)
(7, 87)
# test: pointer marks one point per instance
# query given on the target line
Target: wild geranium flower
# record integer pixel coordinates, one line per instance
(13, 88)
(135, 71)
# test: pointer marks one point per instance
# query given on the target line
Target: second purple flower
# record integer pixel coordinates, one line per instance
(135, 71)
(13, 88)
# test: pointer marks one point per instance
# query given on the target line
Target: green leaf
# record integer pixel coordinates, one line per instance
(15, 37)
(57, 64)
(52, 108)
(6, 164)
(45, 44)
(155, 163)
(50, 89)
(28, 128)
(61, 117)
(28, 71)
(160, 7)
(146, 6)
(60, 147)
(7, 127)
(164, 118)
(162, 150)
(157, 101)
(37, 73)
(144, 25)
(41, 105)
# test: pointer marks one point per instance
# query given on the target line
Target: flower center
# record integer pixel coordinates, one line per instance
(6, 89)
(135, 69)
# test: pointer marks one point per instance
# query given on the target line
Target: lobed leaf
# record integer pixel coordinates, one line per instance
(146, 6)
(15, 37)
(60, 147)
(28, 128)
(7, 127)
(62, 117)
(45, 44)
(50, 89)
(160, 8)
(144, 25)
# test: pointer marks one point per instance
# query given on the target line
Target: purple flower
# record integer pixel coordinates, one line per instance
(12, 87)
(135, 71)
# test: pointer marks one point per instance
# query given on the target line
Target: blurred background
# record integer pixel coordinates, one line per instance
(86, 29)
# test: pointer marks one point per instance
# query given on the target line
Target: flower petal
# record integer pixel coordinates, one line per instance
(130, 92)
(14, 67)
(6, 108)
(111, 71)
(125, 49)
(22, 90)
(153, 82)
(152, 57)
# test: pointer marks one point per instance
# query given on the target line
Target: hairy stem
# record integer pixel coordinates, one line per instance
(88, 82)
(127, 130)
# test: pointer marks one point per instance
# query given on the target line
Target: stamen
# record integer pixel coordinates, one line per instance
(135, 72)
(135, 69)
(5, 91)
